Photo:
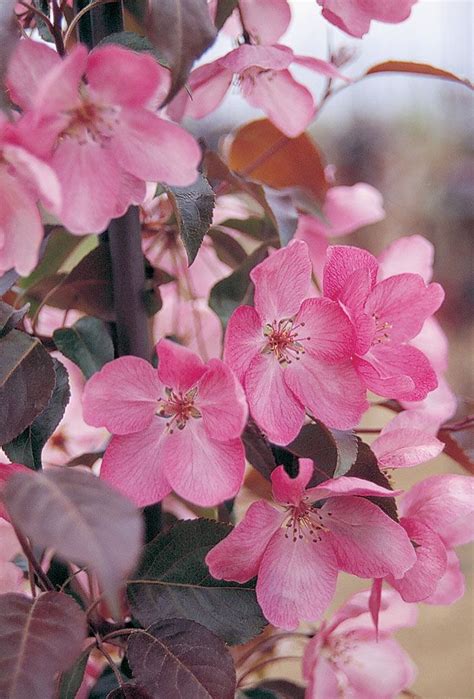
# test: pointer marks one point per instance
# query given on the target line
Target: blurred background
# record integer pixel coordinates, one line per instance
(412, 138)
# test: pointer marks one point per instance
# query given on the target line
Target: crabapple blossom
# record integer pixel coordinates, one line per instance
(438, 514)
(94, 123)
(292, 353)
(345, 658)
(261, 67)
(386, 315)
(407, 440)
(24, 180)
(175, 428)
(355, 16)
(297, 547)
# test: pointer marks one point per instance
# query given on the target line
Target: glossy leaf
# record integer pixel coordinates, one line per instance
(417, 69)
(27, 380)
(10, 317)
(173, 580)
(87, 343)
(38, 638)
(71, 680)
(88, 523)
(366, 467)
(193, 207)
(258, 451)
(26, 448)
(333, 451)
(179, 658)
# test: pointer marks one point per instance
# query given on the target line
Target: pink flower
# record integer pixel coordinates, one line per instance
(261, 67)
(345, 658)
(291, 352)
(355, 16)
(437, 514)
(386, 315)
(407, 440)
(105, 140)
(297, 548)
(24, 179)
(175, 428)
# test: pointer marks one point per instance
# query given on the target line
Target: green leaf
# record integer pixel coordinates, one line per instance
(230, 292)
(87, 343)
(10, 317)
(26, 448)
(224, 10)
(193, 207)
(27, 380)
(71, 680)
(173, 580)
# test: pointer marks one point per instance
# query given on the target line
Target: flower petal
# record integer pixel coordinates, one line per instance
(221, 401)
(291, 490)
(330, 332)
(451, 587)
(405, 447)
(342, 261)
(29, 63)
(349, 485)
(265, 20)
(251, 56)
(412, 253)
(243, 340)
(208, 85)
(178, 367)
(238, 556)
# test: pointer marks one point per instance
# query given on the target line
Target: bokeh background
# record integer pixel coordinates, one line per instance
(412, 138)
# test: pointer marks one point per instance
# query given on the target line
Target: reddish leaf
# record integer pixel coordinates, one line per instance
(257, 450)
(129, 691)
(179, 659)
(10, 317)
(260, 151)
(38, 638)
(27, 380)
(333, 451)
(78, 515)
(417, 69)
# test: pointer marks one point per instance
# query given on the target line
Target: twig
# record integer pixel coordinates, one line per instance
(258, 667)
(43, 579)
(106, 655)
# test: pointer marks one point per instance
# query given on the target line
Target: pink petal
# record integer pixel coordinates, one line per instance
(273, 405)
(36, 174)
(243, 340)
(282, 282)
(265, 20)
(355, 615)
(291, 490)
(208, 85)
(28, 65)
(238, 556)
(433, 342)
(451, 587)
(133, 464)
(323, 680)
(296, 580)
(122, 396)
(332, 392)
(201, 469)
(350, 208)
(404, 302)
(322, 67)
(87, 172)
(154, 149)
(375, 601)
(58, 91)
(445, 503)
(119, 76)
(439, 406)
(311, 231)
(342, 261)
(348, 485)
(354, 16)
(405, 447)
(221, 402)
(178, 367)
(367, 542)
(377, 669)
(250, 56)
(421, 580)
(288, 104)
(412, 253)
(330, 332)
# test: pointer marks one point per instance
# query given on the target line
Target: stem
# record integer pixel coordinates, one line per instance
(113, 666)
(258, 667)
(57, 31)
(43, 579)
(269, 642)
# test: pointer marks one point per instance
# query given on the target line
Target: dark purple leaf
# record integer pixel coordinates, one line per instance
(38, 638)
(257, 450)
(71, 680)
(275, 689)
(81, 518)
(27, 381)
(179, 659)
(224, 10)
(87, 343)
(8, 36)
(10, 317)
(228, 250)
(332, 451)
(366, 467)
(129, 691)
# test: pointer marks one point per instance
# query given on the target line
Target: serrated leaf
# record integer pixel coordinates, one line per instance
(71, 680)
(173, 580)
(88, 523)
(181, 30)
(38, 638)
(27, 380)
(193, 207)
(230, 292)
(87, 343)
(26, 448)
(10, 317)
(179, 658)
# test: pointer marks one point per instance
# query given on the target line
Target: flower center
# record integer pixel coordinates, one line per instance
(92, 122)
(283, 340)
(179, 407)
(381, 328)
(304, 522)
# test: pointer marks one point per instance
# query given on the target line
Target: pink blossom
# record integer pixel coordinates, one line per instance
(355, 16)
(386, 315)
(24, 180)
(292, 353)
(261, 67)
(105, 140)
(175, 428)
(437, 514)
(345, 658)
(407, 440)
(297, 548)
